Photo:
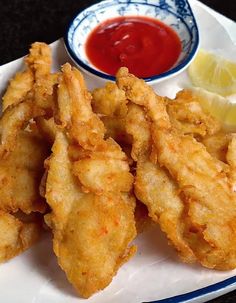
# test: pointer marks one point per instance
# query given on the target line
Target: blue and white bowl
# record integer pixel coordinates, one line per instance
(175, 13)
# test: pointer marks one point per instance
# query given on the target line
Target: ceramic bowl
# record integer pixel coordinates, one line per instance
(175, 13)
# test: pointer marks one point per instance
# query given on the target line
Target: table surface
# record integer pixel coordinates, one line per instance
(23, 22)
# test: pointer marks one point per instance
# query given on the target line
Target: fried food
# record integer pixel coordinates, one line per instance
(203, 184)
(14, 119)
(91, 232)
(16, 236)
(115, 129)
(231, 160)
(39, 60)
(88, 130)
(217, 145)
(104, 170)
(47, 128)
(140, 93)
(20, 174)
(187, 115)
(138, 127)
(109, 101)
(110, 146)
(208, 195)
(153, 185)
(39, 63)
(18, 88)
(92, 216)
(22, 155)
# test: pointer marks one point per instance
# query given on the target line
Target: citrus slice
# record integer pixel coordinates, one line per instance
(219, 107)
(213, 73)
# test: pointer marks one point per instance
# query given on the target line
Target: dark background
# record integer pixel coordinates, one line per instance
(23, 22)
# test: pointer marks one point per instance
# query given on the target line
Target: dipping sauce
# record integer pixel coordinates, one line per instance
(146, 46)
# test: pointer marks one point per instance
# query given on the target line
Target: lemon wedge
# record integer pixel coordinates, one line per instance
(213, 73)
(219, 107)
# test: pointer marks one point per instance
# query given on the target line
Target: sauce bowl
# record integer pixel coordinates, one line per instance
(177, 14)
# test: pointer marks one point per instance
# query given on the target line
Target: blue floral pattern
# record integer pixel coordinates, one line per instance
(176, 13)
(182, 7)
(164, 5)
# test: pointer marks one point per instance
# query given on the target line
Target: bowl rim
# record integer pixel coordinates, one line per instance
(172, 72)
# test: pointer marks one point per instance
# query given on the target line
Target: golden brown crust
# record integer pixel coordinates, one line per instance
(188, 190)
(87, 188)
(16, 236)
(18, 87)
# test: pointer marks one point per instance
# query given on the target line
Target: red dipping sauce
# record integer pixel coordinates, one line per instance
(146, 46)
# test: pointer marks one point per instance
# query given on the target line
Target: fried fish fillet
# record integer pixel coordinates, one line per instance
(204, 184)
(91, 232)
(22, 152)
(21, 160)
(153, 185)
(88, 189)
(208, 195)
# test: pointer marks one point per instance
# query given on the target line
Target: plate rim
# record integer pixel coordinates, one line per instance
(200, 292)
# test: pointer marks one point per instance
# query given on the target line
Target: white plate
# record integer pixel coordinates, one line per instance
(155, 273)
